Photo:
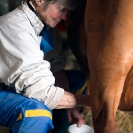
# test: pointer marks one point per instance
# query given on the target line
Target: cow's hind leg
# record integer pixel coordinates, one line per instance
(126, 102)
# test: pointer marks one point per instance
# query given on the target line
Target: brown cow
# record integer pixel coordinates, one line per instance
(109, 33)
(109, 30)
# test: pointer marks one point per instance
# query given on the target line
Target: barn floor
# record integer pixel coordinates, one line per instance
(124, 120)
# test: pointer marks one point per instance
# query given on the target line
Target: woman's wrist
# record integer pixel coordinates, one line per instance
(70, 100)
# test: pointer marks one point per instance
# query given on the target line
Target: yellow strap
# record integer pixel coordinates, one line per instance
(82, 88)
(35, 113)
(19, 117)
(38, 113)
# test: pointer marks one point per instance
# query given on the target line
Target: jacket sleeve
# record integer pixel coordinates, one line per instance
(22, 64)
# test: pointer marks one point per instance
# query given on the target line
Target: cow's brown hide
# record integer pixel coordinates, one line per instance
(109, 30)
(108, 45)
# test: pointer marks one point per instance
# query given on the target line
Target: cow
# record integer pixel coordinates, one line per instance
(109, 31)
(108, 26)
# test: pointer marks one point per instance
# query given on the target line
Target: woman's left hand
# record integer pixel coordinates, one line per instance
(75, 117)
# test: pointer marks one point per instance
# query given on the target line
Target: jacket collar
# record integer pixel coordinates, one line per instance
(33, 18)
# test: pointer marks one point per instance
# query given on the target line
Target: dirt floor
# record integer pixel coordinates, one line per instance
(124, 120)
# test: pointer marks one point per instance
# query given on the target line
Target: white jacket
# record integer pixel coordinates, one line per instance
(21, 60)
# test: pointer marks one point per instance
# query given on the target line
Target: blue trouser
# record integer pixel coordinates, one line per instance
(23, 115)
(77, 81)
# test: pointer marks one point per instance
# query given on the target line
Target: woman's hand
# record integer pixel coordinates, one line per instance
(75, 117)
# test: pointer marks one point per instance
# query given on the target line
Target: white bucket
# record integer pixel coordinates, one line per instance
(83, 129)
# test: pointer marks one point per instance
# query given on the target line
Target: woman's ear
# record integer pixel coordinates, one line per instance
(39, 2)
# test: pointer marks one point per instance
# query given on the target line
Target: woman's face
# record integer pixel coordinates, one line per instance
(52, 14)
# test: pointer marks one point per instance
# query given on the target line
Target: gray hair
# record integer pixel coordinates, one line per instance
(68, 4)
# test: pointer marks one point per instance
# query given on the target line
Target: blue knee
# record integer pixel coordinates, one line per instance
(34, 117)
(23, 114)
